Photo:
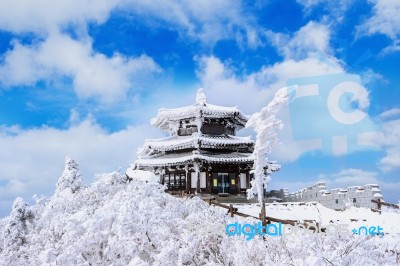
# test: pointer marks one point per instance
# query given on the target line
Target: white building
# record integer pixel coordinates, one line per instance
(359, 196)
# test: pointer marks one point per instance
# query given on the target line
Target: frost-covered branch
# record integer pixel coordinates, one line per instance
(265, 125)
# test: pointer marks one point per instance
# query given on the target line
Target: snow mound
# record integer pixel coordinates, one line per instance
(124, 221)
(144, 176)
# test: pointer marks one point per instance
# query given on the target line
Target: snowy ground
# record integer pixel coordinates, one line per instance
(389, 219)
(116, 221)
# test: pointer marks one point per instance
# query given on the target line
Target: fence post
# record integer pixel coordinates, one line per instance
(231, 209)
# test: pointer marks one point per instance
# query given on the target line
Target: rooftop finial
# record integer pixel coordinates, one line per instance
(201, 97)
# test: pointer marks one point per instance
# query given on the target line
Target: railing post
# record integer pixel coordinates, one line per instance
(231, 209)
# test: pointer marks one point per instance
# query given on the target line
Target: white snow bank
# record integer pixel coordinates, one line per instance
(389, 220)
(144, 176)
(115, 221)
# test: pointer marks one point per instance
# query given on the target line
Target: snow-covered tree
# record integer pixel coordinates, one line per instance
(265, 125)
(16, 227)
(71, 178)
(114, 222)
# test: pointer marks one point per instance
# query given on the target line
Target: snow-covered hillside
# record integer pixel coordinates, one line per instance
(118, 221)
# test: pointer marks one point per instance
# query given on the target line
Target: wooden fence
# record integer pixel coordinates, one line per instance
(307, 223)
(234, 211)
(382, 203)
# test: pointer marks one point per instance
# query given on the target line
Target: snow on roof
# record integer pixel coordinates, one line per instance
(378, 195)
(180, 158)
(200, 108)
(274, 198)
(140, 175)
(375, 189)
(201, 97)
(184, 142)
(372, 185)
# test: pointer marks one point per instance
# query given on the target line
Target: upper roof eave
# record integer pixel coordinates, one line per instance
(167, 116)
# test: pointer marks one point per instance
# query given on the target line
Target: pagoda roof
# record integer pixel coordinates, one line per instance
(193, 141)
(201, 108)
(183, 158)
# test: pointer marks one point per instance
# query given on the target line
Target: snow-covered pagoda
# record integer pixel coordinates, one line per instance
(202, 153)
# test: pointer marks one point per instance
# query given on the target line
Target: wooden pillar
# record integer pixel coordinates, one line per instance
(198, 182)
(238, 180)
(188, 183)
(248, 179)
(209, 181)
(187, 179)
(197, 169)
(263, 212)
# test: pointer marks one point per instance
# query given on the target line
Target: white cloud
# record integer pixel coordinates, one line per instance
(385, 20)
(336, 9)
(311, 38)
(222, 85)
(208, 21)
(357, 177)
(390, 113)
(32, 160)
(390, 142)
(93, 74)
(55, 54)
(351, 177)
(308, 4)
(343, 179)
(387, 139)
(306, 54)
(42, 16)
(251, 92)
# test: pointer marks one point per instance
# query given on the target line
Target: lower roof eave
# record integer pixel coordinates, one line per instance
(156, 163)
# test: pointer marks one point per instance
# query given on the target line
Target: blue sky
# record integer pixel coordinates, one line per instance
(85, 78)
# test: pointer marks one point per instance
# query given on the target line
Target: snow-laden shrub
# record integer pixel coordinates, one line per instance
(121, 221)
(15, 229)
(71, 178)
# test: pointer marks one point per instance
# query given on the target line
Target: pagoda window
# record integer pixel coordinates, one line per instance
(166, 180)
(171, 182)
(213, 129)
(203, 180)
(193, 179)
(243, 181)
(182, 181)
(177, 181)
(189, 130)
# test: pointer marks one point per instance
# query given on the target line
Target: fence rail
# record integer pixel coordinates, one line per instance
(380, 203)
(307, 223)
(234, 211)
